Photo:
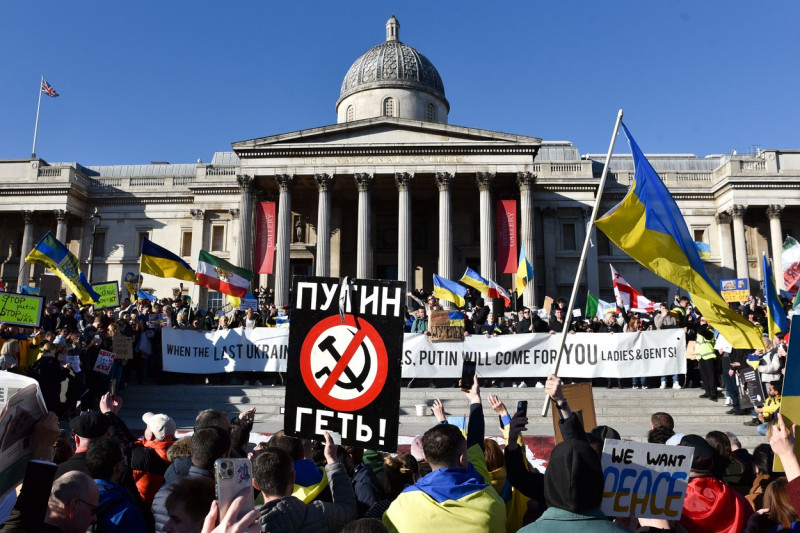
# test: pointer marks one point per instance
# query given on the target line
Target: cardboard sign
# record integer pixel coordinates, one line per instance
(446, 326)
(735, 290)
(49, 287)
(547, 306)
(104, 362)
(345, 349)
(581, 402)
(123, 346)
(21, 309)
(109, 294)
(645, 480)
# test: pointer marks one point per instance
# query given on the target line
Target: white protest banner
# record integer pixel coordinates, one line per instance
(586, 355)
(104, 362)
(240, 349)
(645, 480)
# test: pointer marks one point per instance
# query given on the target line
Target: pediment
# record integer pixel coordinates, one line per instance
(385, 132)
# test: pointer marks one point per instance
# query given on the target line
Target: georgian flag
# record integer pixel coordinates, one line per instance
(496, 291)
(630, 297)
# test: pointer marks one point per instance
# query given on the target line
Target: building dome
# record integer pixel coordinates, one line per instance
(393, 69)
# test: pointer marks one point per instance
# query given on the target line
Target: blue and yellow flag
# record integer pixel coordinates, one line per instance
(475, 280)
(703, 249)
(161, 262)
(776, 316)
(648, 225)
(449, 290)
(524, 271)
(51, 253)
(456, 318)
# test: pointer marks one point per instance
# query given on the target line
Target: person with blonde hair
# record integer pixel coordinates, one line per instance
(9, 355)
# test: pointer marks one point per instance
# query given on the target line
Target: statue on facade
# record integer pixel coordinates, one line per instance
(298, 230)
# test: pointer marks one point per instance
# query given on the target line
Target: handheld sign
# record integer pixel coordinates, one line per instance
(109, 294)
(645, 480)
(123, 346)
(734, 290)
(104, 362)
(21, 309)
(446, 326)
(343, 370)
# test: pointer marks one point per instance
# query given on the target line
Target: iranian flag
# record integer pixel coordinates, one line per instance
(215, 273)
(630, 297)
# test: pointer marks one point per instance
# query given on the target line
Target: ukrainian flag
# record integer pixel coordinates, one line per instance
(449, 290)
(475, 280)
(703, 249)
(161, 262)
(456, 318)
(648, 226)
(776, 316)
(524, 271)
(52, 254)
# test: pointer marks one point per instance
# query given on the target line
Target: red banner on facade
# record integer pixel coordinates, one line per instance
(265, 237)
(507, 236)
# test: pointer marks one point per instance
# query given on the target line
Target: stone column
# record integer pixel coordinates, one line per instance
(364, 182)
(776, 241)
(404, 181)
(283, 239)
(245, 255)
(485, 182)
(443, 180)
(725, 243)
(740, 245)
(525, 182)
(325, 183)
(549, 229)
(23, 277)
(62, 216)
(235, 245)
(592, 274)
(198, 242)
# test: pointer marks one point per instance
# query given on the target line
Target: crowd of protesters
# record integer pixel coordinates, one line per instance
(102, 473)
(449, 481)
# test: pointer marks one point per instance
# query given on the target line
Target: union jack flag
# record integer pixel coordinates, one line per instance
(48, 89)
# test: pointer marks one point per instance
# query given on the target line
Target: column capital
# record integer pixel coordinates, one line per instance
(738, 210)
(197, 214)
(774, 211)
(285, 181)
(245, 183)
(526, 180)
(61, 214)
(325, 182)
(587, 212)
(485, 180)
(364, 181)
(549, 211)
(27, 216)
(234, 213)
(403, 180)
(723, 218)
(443, 180)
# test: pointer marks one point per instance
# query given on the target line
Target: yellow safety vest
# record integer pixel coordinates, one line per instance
(704, 348)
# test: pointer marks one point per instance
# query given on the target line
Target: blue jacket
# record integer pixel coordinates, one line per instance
(116, 509)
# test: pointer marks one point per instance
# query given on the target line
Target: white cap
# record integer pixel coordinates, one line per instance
(161, 425)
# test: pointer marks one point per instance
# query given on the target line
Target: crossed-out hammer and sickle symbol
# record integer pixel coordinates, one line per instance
(356, 382)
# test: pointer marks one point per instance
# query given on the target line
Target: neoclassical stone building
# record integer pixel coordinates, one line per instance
(392, 191)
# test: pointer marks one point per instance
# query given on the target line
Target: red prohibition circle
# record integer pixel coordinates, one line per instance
(308, 376)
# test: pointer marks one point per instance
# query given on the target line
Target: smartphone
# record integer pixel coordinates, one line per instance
(233, 478)
(522, 408)
(468, 374)
(113, 389)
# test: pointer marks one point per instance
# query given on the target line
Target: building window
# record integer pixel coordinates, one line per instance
(568, 236)
(186, 244)
(430, 113)
(699, 235)
(214, 301)
(218, 238)
(388, 107)
(99, 249)
(141, 236)
(351, 113)
(603, 244)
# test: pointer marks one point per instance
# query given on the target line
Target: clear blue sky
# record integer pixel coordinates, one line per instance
(177, 80)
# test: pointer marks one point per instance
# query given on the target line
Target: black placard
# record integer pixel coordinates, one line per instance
(344, 365)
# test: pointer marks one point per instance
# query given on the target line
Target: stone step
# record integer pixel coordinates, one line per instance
(628, 411)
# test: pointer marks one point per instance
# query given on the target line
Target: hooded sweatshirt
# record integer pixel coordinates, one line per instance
(711, 505)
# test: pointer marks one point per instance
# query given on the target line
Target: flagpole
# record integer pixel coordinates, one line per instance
(36, 127)
(582, 263)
